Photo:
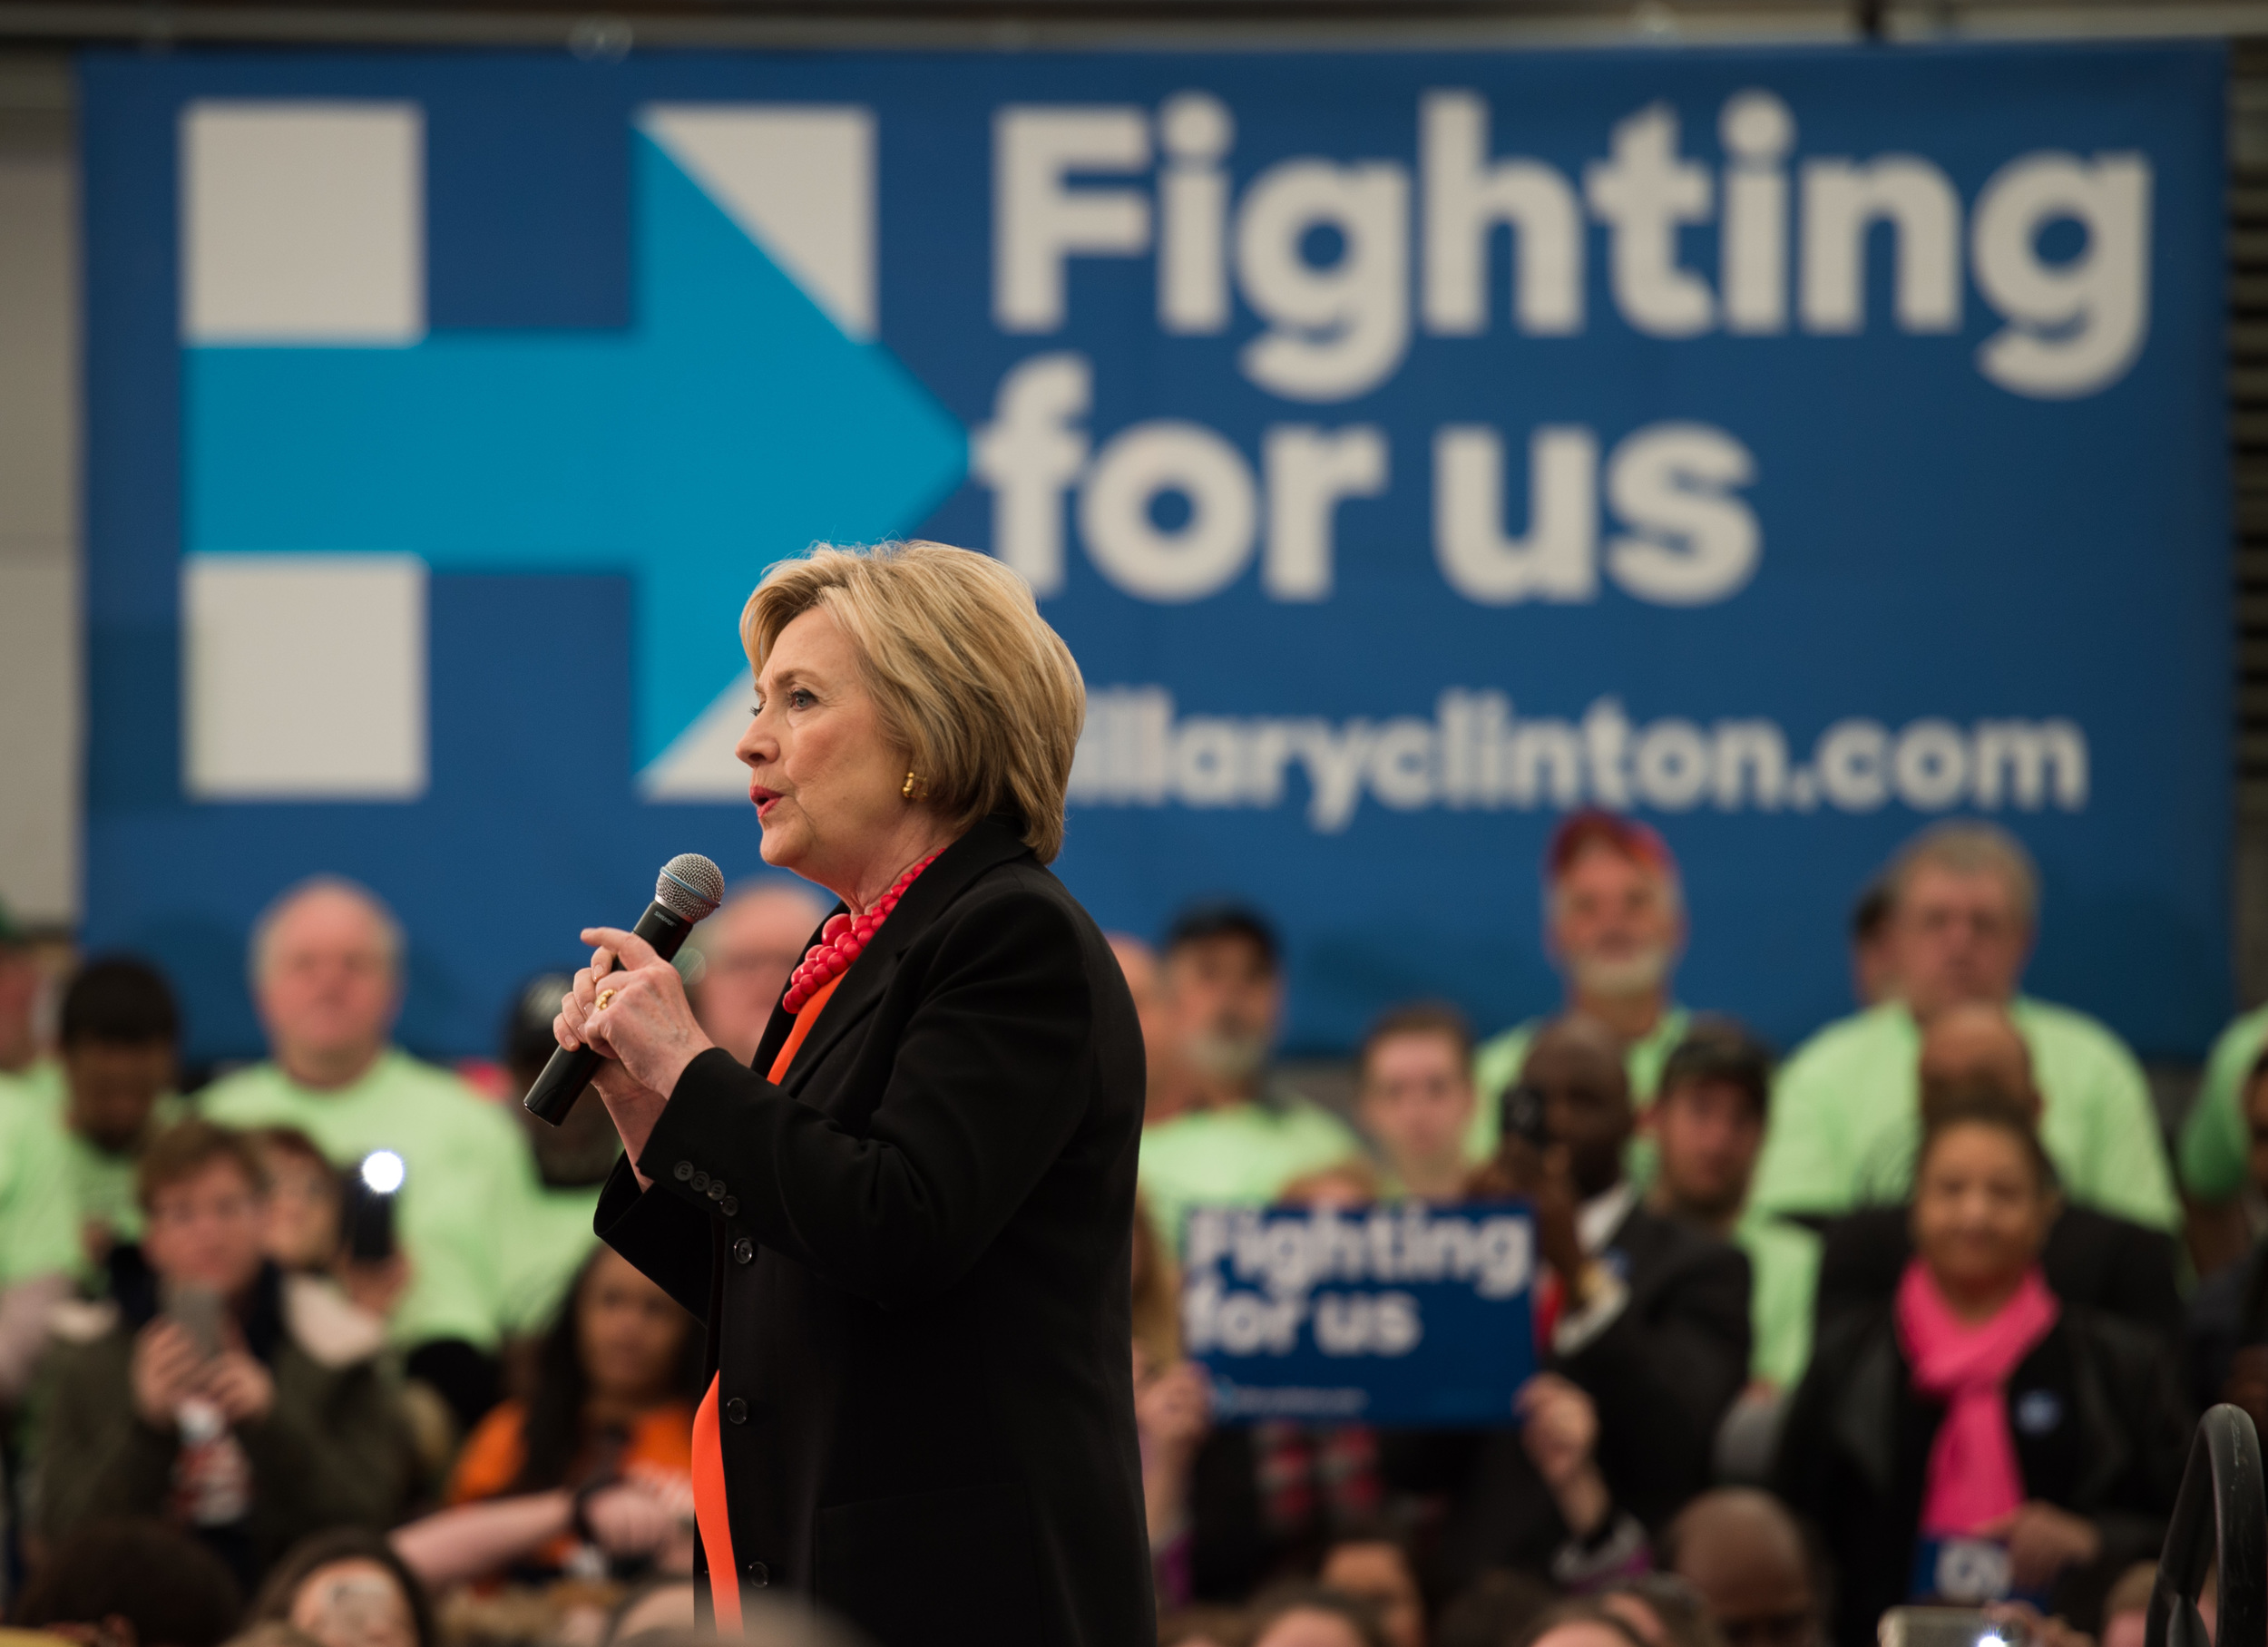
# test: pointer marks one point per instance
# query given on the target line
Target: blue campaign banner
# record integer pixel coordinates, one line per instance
(1401, 1315)
(1791, 446)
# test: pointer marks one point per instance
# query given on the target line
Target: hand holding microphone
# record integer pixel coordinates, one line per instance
(645, 1023)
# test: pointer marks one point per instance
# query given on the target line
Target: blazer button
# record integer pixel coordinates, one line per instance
(700, 1183)
(684, 1170)
(736, 1411)
(744, 1250)
(758, 1575)
(729, 1206)
(715, 1189)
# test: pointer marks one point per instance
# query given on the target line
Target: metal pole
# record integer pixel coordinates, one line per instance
(2220, 1522)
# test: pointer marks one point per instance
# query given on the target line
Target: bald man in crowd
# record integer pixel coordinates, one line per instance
(2092, 1258)
(1741, 1552)
(572, 1161)
(326, 976)
(1168, 1088)
(23, 1071)
(747, 948)
(1845, 1113)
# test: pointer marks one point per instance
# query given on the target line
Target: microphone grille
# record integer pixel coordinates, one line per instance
(689, 887)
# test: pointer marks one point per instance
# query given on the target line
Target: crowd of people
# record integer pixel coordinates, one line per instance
(1918, 1311)
(214, 1355)
(1907, 1308)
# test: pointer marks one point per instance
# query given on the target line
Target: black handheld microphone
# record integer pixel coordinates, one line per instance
(688, 890)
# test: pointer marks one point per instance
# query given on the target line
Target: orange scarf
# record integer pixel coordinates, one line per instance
(708, 1457)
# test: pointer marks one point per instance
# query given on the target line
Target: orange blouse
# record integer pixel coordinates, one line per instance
(708, 1459)
(661, 1446)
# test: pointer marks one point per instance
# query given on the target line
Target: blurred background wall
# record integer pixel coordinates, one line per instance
(40, 727)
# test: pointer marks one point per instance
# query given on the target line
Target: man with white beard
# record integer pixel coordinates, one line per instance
(1241, 1136)
(1614, 923)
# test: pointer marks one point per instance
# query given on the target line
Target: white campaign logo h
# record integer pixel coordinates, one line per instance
(303, 225)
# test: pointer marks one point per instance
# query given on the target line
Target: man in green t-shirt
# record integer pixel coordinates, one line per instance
(39, 1247)
(1846, 1113)
(546, 1249)
(1708, 1125)
(27, 1078)
(1614, 925)
(119, 1039)
(39, 1242)
(326, 978)
(1244, 1136)
(19, 996)
(2216, 1141)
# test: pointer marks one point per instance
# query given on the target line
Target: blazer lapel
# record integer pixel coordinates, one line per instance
(992, 841)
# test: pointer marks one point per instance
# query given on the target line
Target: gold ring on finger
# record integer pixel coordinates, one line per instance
(606, 999)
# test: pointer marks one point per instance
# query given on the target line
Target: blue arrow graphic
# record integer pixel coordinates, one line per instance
(730, 426)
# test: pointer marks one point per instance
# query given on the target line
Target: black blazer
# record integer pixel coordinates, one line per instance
(2226, 1314)
(2100, 1430)
(2106, 1263)
(1662, 1374)
(913, 1258)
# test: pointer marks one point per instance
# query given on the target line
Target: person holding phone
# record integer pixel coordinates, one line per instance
(1976, 1439)
(244, 1405)
(1641, 1326)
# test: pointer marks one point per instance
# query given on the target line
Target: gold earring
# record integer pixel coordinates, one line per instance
(911, 789)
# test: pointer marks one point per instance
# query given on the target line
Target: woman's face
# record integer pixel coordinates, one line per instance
(354, 1603)
(302, 1210)
(828, 786)
(1980, 1213)
(630, 1331)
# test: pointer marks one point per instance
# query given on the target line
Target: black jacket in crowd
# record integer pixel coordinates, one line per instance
(2100, 1427)
(2091, 1259)
(1662, 1376)
(2228, 1311)
(913, 1258)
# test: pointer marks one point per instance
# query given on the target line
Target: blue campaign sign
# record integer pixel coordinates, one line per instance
(1791, 446)
(1409, 1314)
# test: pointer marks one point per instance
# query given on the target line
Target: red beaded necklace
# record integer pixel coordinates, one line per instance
(841, 939)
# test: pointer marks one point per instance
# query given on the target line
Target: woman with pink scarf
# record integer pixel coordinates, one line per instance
(1975, 1438)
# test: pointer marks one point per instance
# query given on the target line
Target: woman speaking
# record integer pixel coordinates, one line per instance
(907, 1226)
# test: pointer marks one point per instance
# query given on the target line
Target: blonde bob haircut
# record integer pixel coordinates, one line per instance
(983, 695)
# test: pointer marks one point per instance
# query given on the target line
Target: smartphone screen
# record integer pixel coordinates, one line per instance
(196, 1311)
(1521, 1115)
